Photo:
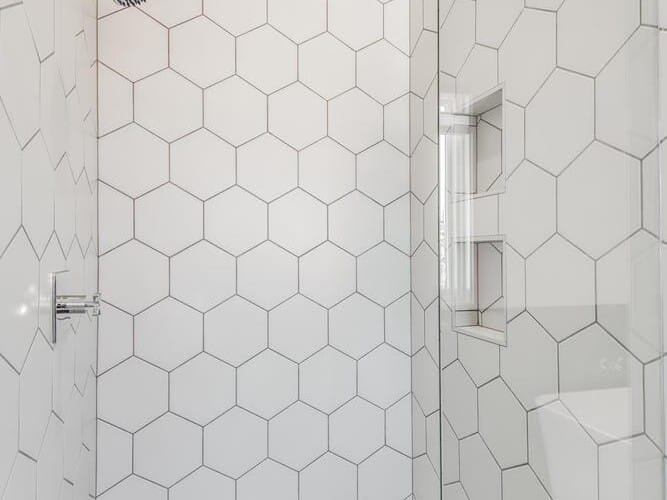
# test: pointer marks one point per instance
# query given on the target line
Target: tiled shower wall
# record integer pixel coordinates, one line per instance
(255, 249)
(424, 248)
(48, 217)
(571, 409)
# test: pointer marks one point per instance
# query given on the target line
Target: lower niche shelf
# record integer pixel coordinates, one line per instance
(480, 299)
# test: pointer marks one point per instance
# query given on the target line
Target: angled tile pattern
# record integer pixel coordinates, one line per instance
(48, 223)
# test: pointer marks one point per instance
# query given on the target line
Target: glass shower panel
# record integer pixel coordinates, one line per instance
(560, 396)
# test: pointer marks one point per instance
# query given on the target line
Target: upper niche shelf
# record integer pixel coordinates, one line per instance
(473, 134)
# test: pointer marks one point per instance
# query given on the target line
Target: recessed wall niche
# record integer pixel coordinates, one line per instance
(474, 179)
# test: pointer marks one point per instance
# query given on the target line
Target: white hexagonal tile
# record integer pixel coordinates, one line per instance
(481, 360)
(355, 223)
(133, 160)
(173, 12)
(396, 127)
(266, 59)
(375, 282)
(425, 382)
(631, 468)
(168, 105)
(626, 107)
(202, 52)
(423, 62)
(326, 170)
(114, 455)
(479, 73)
(267, 167)
(202, 164)
(424, 270)
(115, 95)
(297, 115)
(502, 424)
(235, 234)
(397, 324)
(628, 295)
(328, 478)
(19, 73)
(194, 397)
(562, 109)
(387, 474)
(355, 120)
(576, 50)
(326, 65)
(192, 280)
(528, 55)
(424, 160)
(268, 480)
(383, 173)
(234, 17)
(132, 394)
(166, 461)
(235, 442)
(530, 350)
(267, 384)
(235, 331)
(529, 208)
(37, 201)
(384, 376)
(134, 276)
(53, 110)
(327, 380)
(480, 474)
(168, 219)
(19, 295)
(204, 484)
(114, 208)
(598, 219)
(357, 23)
(135, 487)
(9, 423)
(584, 369)
(356, 326)
(494, 20)
(235, 110)
(560, 286)
(356, 430)
(168, 334)
(395, 14)
(327, 274)
(298, 436)
(459, 402)
(457, 36)
(383, 71)
(267, 275)
(562, 455)
(520, 482)
(36, 389)
(22, 482)
(297, 222)
(131, 27)
(297, 328)
(298, 19)
(10, 189)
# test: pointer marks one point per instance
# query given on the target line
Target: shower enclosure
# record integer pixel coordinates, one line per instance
(342, 250)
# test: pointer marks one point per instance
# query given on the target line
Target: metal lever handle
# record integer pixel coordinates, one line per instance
(62, 306)
(72, 304)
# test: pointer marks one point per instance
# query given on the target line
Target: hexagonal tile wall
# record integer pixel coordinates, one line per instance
(258, 161)
(48, 223)
(579, 222)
